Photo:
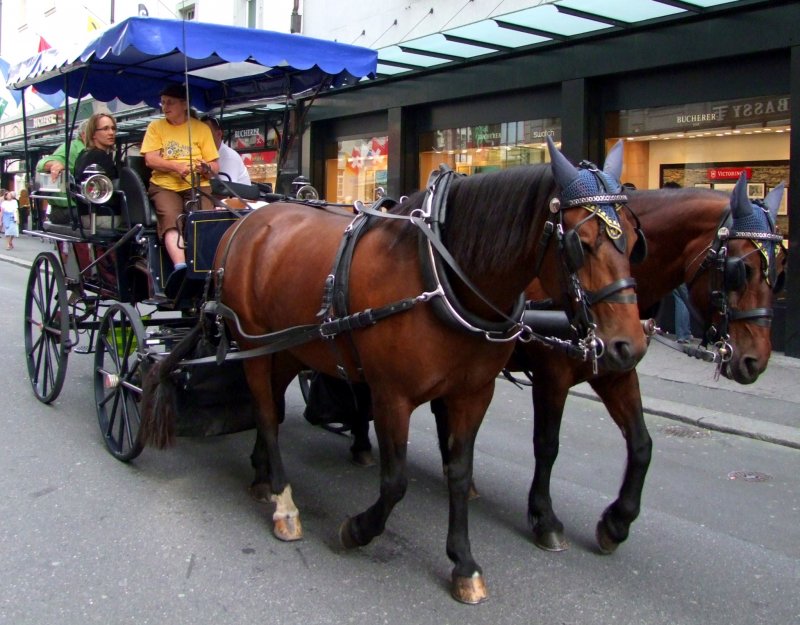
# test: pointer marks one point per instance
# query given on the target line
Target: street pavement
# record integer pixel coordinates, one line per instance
(673, 385)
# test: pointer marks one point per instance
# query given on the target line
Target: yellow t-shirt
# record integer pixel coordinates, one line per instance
(173, 144)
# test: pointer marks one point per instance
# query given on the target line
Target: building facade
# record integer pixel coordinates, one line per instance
(697, 101)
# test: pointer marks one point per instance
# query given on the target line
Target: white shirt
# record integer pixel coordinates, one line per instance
(231, 163)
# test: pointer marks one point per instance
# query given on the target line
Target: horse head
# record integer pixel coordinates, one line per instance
(595, 242)
(743, 276)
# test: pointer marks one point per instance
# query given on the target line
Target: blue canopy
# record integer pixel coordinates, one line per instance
(133, 60)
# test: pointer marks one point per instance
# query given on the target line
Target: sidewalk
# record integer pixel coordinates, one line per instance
(673, 385)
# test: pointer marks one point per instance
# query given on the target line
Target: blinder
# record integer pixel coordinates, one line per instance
(572, 247)
(639, 251)
(734, 273)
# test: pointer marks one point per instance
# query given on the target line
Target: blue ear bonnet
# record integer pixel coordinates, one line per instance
(589, 183)
(758, 221)
(598, 192)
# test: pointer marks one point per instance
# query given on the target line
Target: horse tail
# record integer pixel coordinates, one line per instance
(159, 408)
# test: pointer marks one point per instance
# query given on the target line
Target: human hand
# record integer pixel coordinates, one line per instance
(204, 169)
(55, 170)
(183, 170)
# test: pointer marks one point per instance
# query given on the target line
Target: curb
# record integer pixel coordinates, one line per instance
(16, 261)
(713, 420)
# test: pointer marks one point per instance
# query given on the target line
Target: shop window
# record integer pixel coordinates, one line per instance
(477, 149)
(258, 147)
(358, 170)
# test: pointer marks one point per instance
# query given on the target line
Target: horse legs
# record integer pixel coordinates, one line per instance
(464, 415)
(622, 397)
(439, 409)
(391, 427)
(270, 482)
(549, 397)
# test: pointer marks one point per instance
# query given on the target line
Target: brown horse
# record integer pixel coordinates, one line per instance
(731, 287)
(501, 229)
(730, 282)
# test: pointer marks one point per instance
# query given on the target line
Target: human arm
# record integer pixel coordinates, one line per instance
(56, 162)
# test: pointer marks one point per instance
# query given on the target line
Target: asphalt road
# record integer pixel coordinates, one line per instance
(174, 537)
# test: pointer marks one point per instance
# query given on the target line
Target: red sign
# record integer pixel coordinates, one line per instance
(728, 173)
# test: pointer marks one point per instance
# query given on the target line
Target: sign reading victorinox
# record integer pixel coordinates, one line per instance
(728, 173)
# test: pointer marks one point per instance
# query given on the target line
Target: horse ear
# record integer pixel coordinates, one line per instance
(613, 164)
(563, 171)
(773, 200)
(740, 203)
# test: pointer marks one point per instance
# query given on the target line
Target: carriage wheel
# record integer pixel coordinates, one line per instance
(46, 330)
(118, 380)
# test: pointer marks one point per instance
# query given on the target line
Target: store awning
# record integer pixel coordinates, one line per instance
(550, 21)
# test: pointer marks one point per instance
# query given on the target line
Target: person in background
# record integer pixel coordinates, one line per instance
(55, 163)
(230, 163)
(24, 207)
(181, 152)
(10, 208)
(680, 297)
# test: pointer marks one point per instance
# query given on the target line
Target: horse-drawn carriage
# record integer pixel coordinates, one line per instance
(102, 288)
(413, 299)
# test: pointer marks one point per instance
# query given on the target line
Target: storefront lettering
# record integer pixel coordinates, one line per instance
(693, 119)
(728, 173)
(756, 109)
(247, 132)
(45, 120)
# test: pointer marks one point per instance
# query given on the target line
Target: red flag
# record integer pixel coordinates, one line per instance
(57, 99)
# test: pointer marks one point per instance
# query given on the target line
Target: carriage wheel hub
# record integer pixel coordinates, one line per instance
(110, 380)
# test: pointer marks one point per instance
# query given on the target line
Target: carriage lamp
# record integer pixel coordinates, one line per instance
(302, 189)
(97, 188)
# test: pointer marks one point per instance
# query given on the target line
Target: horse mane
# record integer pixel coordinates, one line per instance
(489, 217)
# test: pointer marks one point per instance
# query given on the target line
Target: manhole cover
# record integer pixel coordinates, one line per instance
(685, 431)
(749, 476)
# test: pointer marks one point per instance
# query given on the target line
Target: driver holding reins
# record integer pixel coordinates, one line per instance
(180, 150)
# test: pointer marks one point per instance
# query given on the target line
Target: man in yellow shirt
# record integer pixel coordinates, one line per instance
(179, 149)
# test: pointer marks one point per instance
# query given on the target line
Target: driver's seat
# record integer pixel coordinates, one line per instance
(137, 207)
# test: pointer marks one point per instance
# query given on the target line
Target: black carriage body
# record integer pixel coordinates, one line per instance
(203, 231)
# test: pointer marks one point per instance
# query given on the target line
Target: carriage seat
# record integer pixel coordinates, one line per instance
(136, 205)
(225, 188)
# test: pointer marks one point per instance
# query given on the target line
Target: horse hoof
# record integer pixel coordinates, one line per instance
(287, 529)
(606, 544)
(363, 458)
(345, 537)
(473, 492)
(470, 590)
(550, 541)
(260, 492)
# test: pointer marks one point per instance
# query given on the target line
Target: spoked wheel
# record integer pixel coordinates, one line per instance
(118, 380)
(47, 343)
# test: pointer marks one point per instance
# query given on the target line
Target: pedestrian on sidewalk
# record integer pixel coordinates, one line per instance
(10, 218)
